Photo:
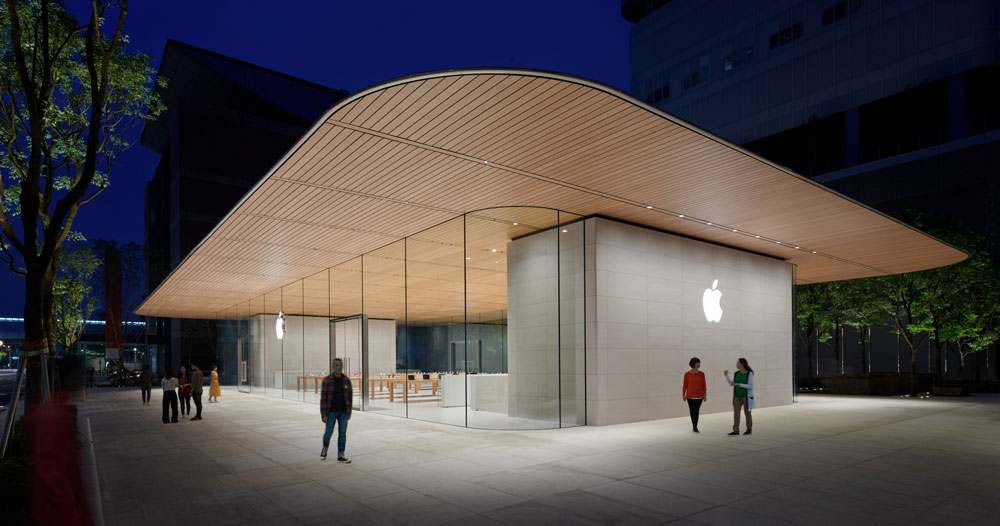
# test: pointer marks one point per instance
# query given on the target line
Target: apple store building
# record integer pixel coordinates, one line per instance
(511, 249)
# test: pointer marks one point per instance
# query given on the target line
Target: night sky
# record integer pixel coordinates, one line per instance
(351, 45)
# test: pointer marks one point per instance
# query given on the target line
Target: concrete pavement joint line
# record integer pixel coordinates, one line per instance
(141, 450)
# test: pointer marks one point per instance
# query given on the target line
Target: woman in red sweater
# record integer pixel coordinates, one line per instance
(694, 391)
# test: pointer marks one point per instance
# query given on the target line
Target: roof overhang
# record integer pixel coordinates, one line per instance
(403, 156)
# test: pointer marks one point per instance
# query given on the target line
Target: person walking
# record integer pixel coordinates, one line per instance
(214, 391)
(694, 390)
(90, 377)
(197, 381)
(169, 385)
(146, 383)
(184, 392)
(742, 383)
(335, 407)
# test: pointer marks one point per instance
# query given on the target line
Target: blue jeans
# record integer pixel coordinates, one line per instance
(331, 418)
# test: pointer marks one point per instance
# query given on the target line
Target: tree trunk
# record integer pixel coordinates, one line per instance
(979, 366)
(961, 365)
(937, 347)
(809, 352)
(864, 351)
(836, 348)
(913, 371)
(35, 340)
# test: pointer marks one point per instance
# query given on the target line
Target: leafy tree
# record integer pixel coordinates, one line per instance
(809, 302)
(72, 100)
(74, 301)
(948, 289)
(974, 327)
(834, 318)
(862, 313)
(902, 300)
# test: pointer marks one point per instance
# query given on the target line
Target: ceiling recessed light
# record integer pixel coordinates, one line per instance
(515, 223)
(796, 248)
(734, 230)
(604, 195)
(650, 206)
(494, 250)
(406, 202)
(758, 237)
(564, 231)
(709, 223)
(680, 215)
(486, 162)
(467, 257)
(814, 251)
(778, 242)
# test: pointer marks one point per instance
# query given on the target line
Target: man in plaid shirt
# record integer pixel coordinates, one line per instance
(335, 406)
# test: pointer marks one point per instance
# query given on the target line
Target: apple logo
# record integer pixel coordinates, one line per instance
(279, 326)
(710, 302)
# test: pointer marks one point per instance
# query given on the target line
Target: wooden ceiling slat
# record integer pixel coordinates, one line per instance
(552, 142)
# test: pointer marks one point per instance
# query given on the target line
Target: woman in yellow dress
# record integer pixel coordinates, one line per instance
(214, 391)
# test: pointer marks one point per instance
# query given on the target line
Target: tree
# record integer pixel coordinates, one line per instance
(74, 301)
(809, 302)
(902, 299)
(862, 313)
(72, 100)
(834, 317)
(974, 327)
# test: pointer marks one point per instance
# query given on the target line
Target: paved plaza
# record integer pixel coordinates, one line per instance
(825, 460)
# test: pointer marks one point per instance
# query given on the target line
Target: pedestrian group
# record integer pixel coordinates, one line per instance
(179, 391)
(695, 391)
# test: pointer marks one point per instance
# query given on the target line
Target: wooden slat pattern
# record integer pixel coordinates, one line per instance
(395, 161)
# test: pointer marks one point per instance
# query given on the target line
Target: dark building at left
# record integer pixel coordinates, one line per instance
(226, 123)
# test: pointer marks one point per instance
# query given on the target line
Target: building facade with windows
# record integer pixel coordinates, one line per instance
(226, 122)
(892, 103)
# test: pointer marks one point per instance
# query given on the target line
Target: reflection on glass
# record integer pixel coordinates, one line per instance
(316, 333)
(384, 293)
(572, 322)
(435, 329)
(292, 347)
(273, 376)
(478, 321)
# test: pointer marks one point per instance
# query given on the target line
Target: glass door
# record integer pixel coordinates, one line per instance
(349, 342)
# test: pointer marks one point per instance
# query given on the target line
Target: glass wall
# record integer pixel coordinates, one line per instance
(478, 321)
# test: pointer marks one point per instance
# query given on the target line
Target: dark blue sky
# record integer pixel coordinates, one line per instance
(351, 45)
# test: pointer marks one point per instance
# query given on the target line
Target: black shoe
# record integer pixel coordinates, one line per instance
(747, 432)
(322, 454)
(343, 460)
(196, 418)
(696, 430)
(734, 434)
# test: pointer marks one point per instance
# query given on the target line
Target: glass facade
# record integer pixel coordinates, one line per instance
(477, 322)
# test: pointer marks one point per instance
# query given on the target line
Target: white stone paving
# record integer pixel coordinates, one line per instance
(825, 460)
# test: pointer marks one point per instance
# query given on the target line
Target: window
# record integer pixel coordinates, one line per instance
(784, 36)
(658, 94)
(839, 11)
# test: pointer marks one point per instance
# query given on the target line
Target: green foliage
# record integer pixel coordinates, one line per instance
(74, 300)
(54, 143)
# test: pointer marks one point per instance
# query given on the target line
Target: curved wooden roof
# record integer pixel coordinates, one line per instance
(403, 156)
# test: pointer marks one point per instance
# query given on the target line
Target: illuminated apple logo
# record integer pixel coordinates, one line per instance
(279, 326)
(710, 302)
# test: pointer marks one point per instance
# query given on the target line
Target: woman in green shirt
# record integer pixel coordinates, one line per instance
(742, 383)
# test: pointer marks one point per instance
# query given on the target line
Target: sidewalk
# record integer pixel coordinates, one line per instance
(825, 460)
